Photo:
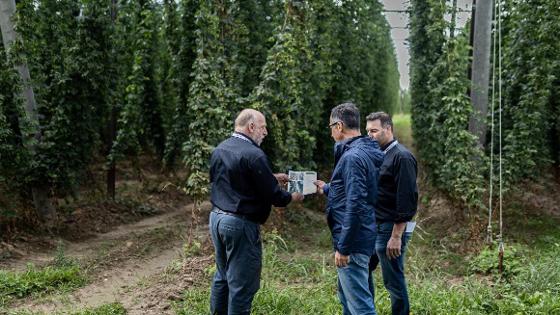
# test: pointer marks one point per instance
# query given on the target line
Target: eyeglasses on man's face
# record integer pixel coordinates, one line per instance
(334, 124)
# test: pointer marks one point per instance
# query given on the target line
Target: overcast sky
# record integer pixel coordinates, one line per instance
(400, 36)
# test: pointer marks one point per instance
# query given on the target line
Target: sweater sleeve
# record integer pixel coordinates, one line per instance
(267, 185)
(407, 191)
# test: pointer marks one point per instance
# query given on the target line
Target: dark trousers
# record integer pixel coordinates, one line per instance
(238, 253)
(392, 269)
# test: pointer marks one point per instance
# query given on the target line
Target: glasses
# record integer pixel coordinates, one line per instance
(334, 123)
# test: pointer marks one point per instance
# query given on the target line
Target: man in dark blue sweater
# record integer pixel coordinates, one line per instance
(243, 190)
(396, 205)
(352, 194)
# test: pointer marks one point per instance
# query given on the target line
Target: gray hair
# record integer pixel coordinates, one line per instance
(348, 113)
(244, 117)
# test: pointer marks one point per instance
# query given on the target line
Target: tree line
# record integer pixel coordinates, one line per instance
(115, 79)
(441, 107)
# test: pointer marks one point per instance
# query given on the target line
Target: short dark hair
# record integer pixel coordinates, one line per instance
(348, 113)
(383, 117)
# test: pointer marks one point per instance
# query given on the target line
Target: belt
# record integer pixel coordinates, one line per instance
(233, 214)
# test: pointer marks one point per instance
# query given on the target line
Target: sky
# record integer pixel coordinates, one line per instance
(400, 36)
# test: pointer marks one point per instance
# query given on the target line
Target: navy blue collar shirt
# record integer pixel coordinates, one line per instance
(242, 181)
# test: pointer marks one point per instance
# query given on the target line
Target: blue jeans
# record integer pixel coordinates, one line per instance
(392, 269)
(353, 290)
(238, 252)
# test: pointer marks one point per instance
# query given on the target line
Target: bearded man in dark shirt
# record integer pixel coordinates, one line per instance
(396, 206)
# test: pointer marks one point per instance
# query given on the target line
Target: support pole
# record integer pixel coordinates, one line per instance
(39, 191)
(481, 68)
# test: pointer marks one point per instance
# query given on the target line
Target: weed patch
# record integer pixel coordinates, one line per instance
(62, 276)
(299, 278)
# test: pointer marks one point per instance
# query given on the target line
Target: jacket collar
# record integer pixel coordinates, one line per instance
(388, 146)
(244, 137)
(343, 146)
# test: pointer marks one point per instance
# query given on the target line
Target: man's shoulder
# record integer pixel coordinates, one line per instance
(366, 152)
(354, 157)
(403, 152)
(351, 154)
(241, 147)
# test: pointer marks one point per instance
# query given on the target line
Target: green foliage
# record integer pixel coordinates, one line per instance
(169, 51)
(403, 131)
(172, 74)
(245, 35)
(34, 280)
(107, 309)
(280, 95)
(208, 114)
(531, 54)
(473, 297)
(404, 102)
(185, 56)
(450, 151)
(80, 97)
(487, 262)
(48, 43)
(13, 158)
(441, 108)
(426, 46)
(63, 274)
(140, 121)
(366, 67)
(541, 275)
(192, 249)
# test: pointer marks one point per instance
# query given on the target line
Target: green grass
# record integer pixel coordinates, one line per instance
(38, 281)
(106, 309)
(299, 277)
(64, 274)
(403, 132)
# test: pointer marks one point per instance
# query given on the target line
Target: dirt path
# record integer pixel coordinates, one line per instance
(131, 265)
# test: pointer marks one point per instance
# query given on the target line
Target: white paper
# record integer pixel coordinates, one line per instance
(302, 182)
(410, 226)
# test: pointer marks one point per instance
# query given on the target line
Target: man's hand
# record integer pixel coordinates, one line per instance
(395, 242)
(394, 247)
(282, 178)
(340, 260)
(320, 184)
(297, 196)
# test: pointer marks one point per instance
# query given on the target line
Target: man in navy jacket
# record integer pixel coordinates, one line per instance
(352, 194)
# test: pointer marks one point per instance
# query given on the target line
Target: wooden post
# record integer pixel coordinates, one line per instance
(453, 19)
(39, 191)
(481, 68)
(112, 134)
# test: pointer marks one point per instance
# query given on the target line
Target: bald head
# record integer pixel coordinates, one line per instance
(245, 117)
(251, 123)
